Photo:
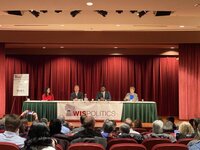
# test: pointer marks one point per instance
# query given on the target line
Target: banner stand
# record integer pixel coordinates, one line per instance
(20, 87)
(13, 104)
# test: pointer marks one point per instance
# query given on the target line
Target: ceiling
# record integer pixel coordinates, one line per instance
(89, 33)
(186, 13)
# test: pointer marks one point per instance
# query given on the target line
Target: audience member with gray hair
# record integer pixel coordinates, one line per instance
(157, 132)
(168, 127)
(44, 120)
(125, 133)
(129, 122)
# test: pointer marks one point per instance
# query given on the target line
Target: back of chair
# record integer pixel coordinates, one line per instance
(2, 131)
(170, 146)
(128, 146)
(59, 147)
(149, 143)
(8, 146)
(120, 141)
(184, 141)
(86, 146)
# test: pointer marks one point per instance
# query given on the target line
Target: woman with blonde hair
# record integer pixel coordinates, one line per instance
(185, 131)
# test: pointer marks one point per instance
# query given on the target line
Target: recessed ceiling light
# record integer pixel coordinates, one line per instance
(62, 25)
(118, 25)
(89, 3)
(172, 47)
(61, 46)
(43, 47)
(115, 47)
(181, 26)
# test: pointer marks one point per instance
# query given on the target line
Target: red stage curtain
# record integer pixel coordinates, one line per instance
(189, 81)
(155, 78)
(3, 83)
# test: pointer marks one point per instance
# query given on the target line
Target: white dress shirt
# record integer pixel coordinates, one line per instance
(12, 137)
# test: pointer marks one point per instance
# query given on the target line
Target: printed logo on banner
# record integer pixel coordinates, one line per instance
(69, 109)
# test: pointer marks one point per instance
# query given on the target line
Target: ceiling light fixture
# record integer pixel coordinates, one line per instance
(43, 11)
(35, 13)
(75, 12)
(14, 12)
(61, 46)
(62, 25)
(141, 13)
(133, 11)
(181, 26)
(102, 12)
(119, 11)
(117, 25)
(43, 47)
(89, 3)
(162, 13)
(58, 11)
(172, 47)
(115, 47)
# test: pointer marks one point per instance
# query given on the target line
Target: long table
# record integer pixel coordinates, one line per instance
(118, 110)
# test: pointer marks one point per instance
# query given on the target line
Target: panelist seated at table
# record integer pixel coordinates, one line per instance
(103, 94)
(131, 96)
(47, 96)
(76, 95)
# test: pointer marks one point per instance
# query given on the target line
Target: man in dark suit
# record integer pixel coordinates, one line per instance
(76, 94)
(103, 94)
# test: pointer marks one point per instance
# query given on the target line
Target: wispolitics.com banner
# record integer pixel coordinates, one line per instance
(101, 110)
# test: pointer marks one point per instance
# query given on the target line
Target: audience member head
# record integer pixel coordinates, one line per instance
(62, 119)
(194, 123)
(38, 137)
(12, 123)
(129, 122)
(168, 126)
(23, 128)
(89, 122)
(124, 128)
(108, 126)
(38, 130)
(76, 88)
(82, 118)
(2, 123)
(103, 88)
(55, 127)
(114, 123)
(157, 127)
(44, 120)
(185, 128)
(197, 137)
(138, 123)
(132, 89)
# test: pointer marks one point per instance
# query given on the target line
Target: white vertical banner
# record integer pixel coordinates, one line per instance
(72, 110)
(21, 85)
